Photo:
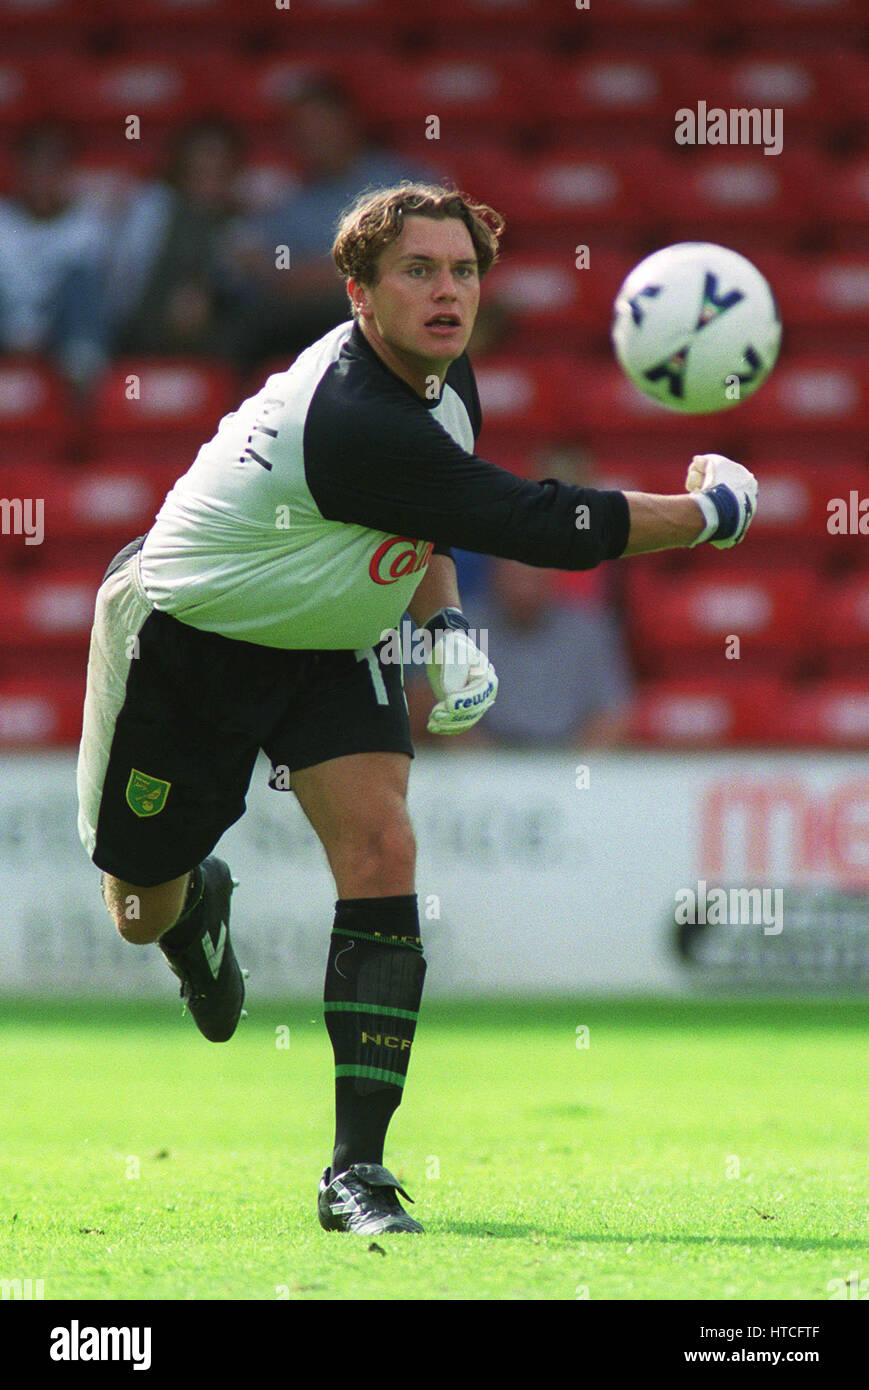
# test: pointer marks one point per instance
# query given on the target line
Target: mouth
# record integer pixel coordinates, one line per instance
(443, 323)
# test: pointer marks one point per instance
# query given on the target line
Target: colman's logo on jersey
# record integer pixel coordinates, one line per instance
(398, 557)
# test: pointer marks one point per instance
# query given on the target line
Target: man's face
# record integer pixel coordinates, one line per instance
(208, 169)
(324, 136)
(421, 311)
(42, 175)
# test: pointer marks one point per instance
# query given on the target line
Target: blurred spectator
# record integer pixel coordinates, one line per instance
(555, 640)
(52, 253)
(564, 680)
(172, 288)
(294, 306)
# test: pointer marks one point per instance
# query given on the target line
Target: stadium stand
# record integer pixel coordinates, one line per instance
(564, 121)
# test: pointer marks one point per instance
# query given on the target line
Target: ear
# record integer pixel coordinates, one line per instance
(358, 296)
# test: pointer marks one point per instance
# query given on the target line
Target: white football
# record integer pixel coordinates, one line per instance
(696, 327)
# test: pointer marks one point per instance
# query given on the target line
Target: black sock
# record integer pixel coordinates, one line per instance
(374, 982)
(189, 924)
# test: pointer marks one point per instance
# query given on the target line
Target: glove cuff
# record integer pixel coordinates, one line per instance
(710, 516)
(720, 507)
(729, 511)
(447, 620)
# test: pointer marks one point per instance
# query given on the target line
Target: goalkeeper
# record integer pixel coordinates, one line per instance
(255, 615)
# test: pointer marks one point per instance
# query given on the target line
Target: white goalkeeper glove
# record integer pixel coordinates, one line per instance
(727, 496)
(461, 676)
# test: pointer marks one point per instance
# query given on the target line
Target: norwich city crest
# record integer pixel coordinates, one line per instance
(146, 796)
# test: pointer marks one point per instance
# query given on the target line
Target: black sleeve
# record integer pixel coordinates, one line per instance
(378, 458)
(461, 377)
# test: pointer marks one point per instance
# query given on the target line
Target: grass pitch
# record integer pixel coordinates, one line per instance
(603, 1150)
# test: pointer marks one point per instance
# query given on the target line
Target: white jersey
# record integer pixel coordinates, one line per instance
(308, 520)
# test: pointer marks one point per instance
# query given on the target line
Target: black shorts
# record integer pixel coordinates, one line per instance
(174, 719)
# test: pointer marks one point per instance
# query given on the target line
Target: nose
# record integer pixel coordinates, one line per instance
(443, 285)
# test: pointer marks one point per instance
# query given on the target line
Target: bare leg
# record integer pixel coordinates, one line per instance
(142, 915)
(357, 806)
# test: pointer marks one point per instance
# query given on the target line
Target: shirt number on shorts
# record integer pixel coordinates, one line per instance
(377, 680)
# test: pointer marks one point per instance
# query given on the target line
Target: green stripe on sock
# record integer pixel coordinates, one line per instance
(381, 940)
(371, 1074)
(339, 1008)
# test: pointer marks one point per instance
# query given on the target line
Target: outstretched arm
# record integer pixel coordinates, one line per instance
(662, 523)
(720, 503)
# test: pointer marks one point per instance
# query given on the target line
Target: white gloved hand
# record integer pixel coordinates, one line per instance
(461, 676)
(726, 494)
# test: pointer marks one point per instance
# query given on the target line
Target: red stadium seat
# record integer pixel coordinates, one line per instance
(151, 398)
(551, 300)
(823, 300)
(793, 512)
(36, 422)
(58, 17)
(93, 514)
(613, 84)
(797, 84)
(36, 88)
(831, 714)
(569, 190)
(708, 712)
(835, 291)
(161, 90)
(45, 655)
(787, 450)
(827, 395)
(332, 20)
(461, 89)
(729, 191)
(22, 96)
(30, 490)
(41, 711)
(640, 20)
(181, 20)
(772, 612)
(502, 22)
(482, 165)
(165, 456)
(617, 91)
(51, 607)
(521, 395)
(843, 70)
(795, 18)
(845, 632)
(843, 197)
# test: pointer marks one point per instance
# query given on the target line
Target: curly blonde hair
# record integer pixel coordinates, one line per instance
(376, 218)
